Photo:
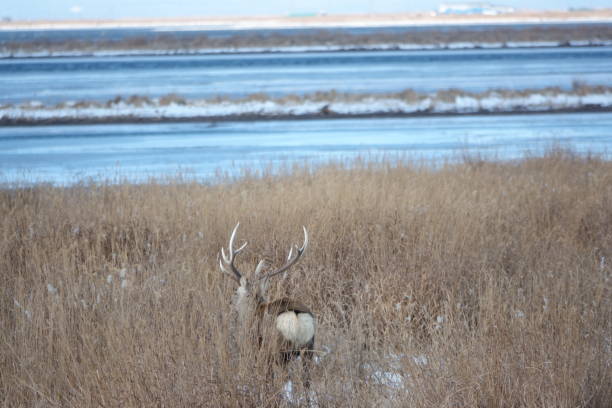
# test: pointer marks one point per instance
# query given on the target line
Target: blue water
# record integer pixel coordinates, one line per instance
(73, 79)
(66, 154)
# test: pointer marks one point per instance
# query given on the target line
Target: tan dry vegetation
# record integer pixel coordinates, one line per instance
(200, 42)
(476, 284)
(407, 95)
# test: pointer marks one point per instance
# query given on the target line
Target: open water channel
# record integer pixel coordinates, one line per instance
(65, 154)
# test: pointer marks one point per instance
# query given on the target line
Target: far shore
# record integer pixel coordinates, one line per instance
(317, 21)
(17, 122)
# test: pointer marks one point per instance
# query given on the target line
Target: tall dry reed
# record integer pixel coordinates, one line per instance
(474, 284)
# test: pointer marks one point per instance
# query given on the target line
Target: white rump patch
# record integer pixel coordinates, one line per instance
(299, 329)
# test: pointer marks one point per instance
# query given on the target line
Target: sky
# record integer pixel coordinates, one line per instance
(86, 9)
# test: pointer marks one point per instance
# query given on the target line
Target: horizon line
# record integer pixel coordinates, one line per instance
(317, 20)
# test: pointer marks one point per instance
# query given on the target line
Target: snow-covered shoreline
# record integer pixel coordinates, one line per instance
(4, 54)
(331, 104)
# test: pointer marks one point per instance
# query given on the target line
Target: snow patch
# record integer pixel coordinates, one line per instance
(447, 102)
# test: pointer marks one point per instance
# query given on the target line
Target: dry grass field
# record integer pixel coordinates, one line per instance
(476, 284)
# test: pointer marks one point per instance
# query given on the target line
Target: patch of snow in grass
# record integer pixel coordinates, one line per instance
(420, 360)
(309, 400)
(389, 379)
(467, 104)
(51, 289)
(25, 311)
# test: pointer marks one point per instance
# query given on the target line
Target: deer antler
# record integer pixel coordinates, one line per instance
(290, 261)
(229, 259)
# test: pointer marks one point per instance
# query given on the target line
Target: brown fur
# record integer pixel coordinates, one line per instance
(282, 305)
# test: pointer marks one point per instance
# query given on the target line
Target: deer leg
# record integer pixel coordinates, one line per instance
(307, 355)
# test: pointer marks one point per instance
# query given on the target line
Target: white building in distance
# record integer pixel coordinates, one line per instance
(473, 8)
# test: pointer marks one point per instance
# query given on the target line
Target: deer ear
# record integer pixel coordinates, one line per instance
(263, 287)
(263, 280)
(259, 268)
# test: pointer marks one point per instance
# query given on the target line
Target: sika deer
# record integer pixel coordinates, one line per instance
(285, 327)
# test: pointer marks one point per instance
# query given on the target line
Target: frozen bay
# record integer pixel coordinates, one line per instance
(66, 154)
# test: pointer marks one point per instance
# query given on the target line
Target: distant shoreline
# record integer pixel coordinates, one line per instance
(158, 43)
(302, 49)
(23, 122)
(318, 21)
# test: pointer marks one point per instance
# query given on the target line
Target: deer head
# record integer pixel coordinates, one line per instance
(255, 285)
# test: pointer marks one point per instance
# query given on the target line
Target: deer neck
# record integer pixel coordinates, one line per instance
(245, 304)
